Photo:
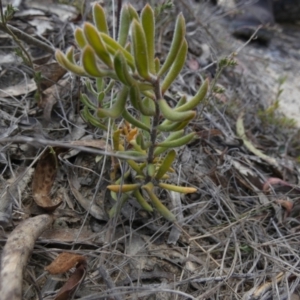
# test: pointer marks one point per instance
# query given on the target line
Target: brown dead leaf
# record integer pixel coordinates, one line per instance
(64, 262)
(51, 74)
(43, 179)
(70, 286)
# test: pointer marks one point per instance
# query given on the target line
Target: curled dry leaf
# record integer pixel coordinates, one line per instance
(43, 179)
(278, 184)
(16, 252)
(64, 262)
(287, 204)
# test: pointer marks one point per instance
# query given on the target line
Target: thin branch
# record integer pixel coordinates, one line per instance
(27, 38)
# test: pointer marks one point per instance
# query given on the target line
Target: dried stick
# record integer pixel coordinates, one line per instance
(16, 252)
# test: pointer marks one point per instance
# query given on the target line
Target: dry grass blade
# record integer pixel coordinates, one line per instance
(17, 249)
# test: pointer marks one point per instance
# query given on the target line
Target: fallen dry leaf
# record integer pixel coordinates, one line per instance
(72, 283)
(43, 179)
(63, 263)
(16, 252)
(18, 89)
(51, 74)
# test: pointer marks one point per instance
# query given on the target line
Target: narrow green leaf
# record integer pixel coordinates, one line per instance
(163, 210)
(99, 18)
(89, 62)
(125, 21)
(147, 107)
(178, 142)
(122, 69)
(92, 120)
(114, 46)
(117, 108)
(170, 126)
(173, 115)
(135, 97)
(100, 84)
(64, 62)
(175, 68)
(166, 164)
(142, 201)
(194, 101)
(70, 55)
(79, 38)
(133, 13)
(178, 189)
(148, 23)
(95, 41)
(134, 121)
(177, 41)
(140, 50)
(86, 101)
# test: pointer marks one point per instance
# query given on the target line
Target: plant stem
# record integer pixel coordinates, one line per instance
(153, 133)
(15, 38)
(26, 38)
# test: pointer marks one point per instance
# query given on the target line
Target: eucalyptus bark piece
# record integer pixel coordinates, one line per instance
(16, 252)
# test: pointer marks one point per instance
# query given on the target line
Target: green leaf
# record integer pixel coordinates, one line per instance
(122, 69)
(63, 61)
(125, 21)
(175, 68)
(92, 120)
(70, 55)
(89, 62)
(147, 107)
(157, 204)
(134, 121)
(86, 101)
(114, 46)
(140, 50)
(173, 115)
(79, 38)
(133, 13)
(192, 103)
(166, 164)
(142, 201)
(95, 41)
(99, 18)
(148, 23)
(177, 41)
(117, 108)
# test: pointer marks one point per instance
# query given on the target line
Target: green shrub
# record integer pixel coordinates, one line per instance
(149, 129)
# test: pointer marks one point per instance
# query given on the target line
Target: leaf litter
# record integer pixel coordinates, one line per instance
(236, 238)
